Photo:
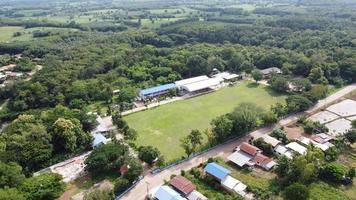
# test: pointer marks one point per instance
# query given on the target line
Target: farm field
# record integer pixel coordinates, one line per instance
(164, 126)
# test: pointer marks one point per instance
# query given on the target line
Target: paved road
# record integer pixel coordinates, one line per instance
(152, 181)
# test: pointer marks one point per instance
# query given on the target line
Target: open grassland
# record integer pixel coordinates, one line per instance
(323, 191)
(7, 32)
(164, 126)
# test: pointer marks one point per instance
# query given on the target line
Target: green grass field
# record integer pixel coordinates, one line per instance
(164, 126)
(7, 32)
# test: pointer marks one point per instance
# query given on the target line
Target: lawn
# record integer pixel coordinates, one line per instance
(164, 126)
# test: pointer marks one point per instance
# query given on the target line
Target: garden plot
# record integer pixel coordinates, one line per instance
(338, 127)
(345, 108)
(323, 117)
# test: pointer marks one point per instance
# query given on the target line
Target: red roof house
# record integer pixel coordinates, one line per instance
(182, 185)
(249, 149)
(264, 161)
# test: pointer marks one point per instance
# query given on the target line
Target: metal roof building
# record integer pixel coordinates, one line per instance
(196, 86)
(99, 139)
(240, 158)
(155, 91)
(182, 185)
(270, 140)
(297, 148)
(180, 83)
(167, 193)
(217, 171)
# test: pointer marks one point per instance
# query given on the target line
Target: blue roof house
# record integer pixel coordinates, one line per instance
(99, 139)
(156, 91)
(216, 171)
(167, 193)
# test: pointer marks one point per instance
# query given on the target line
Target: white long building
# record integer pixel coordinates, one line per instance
(200, 85)
(187, 81)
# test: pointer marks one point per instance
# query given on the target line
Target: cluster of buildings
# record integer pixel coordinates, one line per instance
(338, 117)
(7, 72)
(192, 85)
(179, 188)
(249, 155)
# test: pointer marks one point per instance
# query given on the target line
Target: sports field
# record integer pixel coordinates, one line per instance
(162, 127)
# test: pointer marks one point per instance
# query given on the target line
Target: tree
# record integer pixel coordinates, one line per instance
(43, 187)
(216, 62)
(351, 173)
(107, 157)
(148, 154)
(282, 167)
(278, 109)
(316, 93)
(296, 191)
(195, 138)
(10, 175)
(197, 65)
(121, 185)
(301, 84)
(257, 75)
(135, 170)
(221, 127)
(281, 135)
(99, 194)
(331, 154)
(187, 146)
(333, 172)
(351, 136)
(68, 135)
(25, 65)
(27, 142)
(279, 83)
(297, 103)
(264, 146)
(316, 75)
(245, 117)
(127, 94)
(269, 117)
(11, 194)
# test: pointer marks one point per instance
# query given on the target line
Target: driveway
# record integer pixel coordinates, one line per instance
(152, 181)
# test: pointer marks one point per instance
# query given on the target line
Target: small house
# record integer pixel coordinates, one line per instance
(269, 71)
(167, 193)
(216, 171)
(297, 148)
(99, 139)
(182, 185)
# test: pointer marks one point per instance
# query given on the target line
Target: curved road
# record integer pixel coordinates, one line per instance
(150, 181)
